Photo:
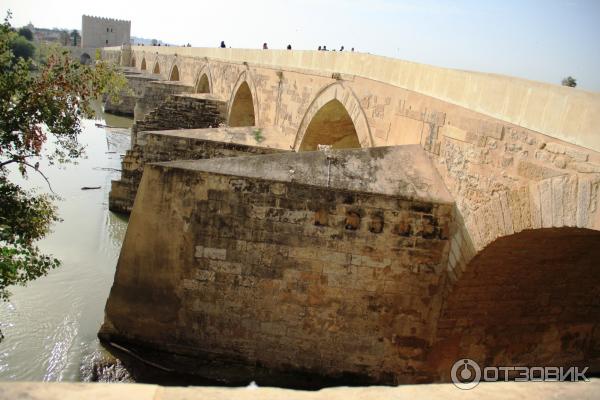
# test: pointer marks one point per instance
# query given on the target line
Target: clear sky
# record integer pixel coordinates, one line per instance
(543, 40)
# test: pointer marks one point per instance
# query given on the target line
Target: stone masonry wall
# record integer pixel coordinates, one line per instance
(104, 32)
(176, 112)
(155, 147)
(125, 106)
(258, 278)
(136, 89)
(184, 112)
(157, 93)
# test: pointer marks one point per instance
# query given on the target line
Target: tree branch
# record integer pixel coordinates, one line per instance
(2, 164)
(14, 159)
(39, 172)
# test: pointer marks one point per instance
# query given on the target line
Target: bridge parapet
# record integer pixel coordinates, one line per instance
(564, 113)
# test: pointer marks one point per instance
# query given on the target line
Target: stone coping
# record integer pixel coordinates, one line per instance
(199, 96)
(398, 171)
(172, 83)
(146, 77)
(246, 136)
(447, 391)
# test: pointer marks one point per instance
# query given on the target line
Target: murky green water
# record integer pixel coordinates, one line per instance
(50, 326)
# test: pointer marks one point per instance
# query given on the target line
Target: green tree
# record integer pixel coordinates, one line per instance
(38, 100)
(21, 47)
(64, 37)
(26, 33)
(569, 81)
(74, 38)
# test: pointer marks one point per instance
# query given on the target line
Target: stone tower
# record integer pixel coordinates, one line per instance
(104, 32)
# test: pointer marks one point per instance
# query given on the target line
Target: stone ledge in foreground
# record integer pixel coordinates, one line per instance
(105, 391)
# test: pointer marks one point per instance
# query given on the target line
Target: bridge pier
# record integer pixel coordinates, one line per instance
(287, 264)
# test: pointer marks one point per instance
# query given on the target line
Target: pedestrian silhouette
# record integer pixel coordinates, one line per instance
(265, 47)
(223, 44)
(289, 47)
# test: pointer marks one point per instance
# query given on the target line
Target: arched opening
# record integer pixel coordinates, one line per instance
(242, 108)
(174, 74)
(156, 69)
(143, 67)
(133, 61)
(85, 59)
(203, 85)
(331, 125)
(528, 299)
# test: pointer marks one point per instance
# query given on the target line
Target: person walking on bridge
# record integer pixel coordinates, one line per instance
(223, 44)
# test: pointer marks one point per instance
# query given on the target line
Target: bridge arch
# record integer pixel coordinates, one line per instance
(530, 298)
(243, 105)
(133, 62)
(143, 66)
(559, 202)
(335, 118)
(524, 279)
(204, 80)
(156, 69)
(174, 75)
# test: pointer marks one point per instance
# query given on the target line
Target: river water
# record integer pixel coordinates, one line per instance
(50, 326)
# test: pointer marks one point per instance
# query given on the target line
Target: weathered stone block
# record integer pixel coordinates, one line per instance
(583, 202)
(545, 188)
(557, 148)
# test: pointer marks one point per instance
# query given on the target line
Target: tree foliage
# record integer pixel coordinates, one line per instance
(75, 38)
(26, 33)
(569, 81)
(39, 99)
(24, 218)
(21, 47)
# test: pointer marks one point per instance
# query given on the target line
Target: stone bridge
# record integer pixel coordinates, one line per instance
(453, 215)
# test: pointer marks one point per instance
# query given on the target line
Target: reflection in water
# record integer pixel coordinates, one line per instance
(50, 326)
